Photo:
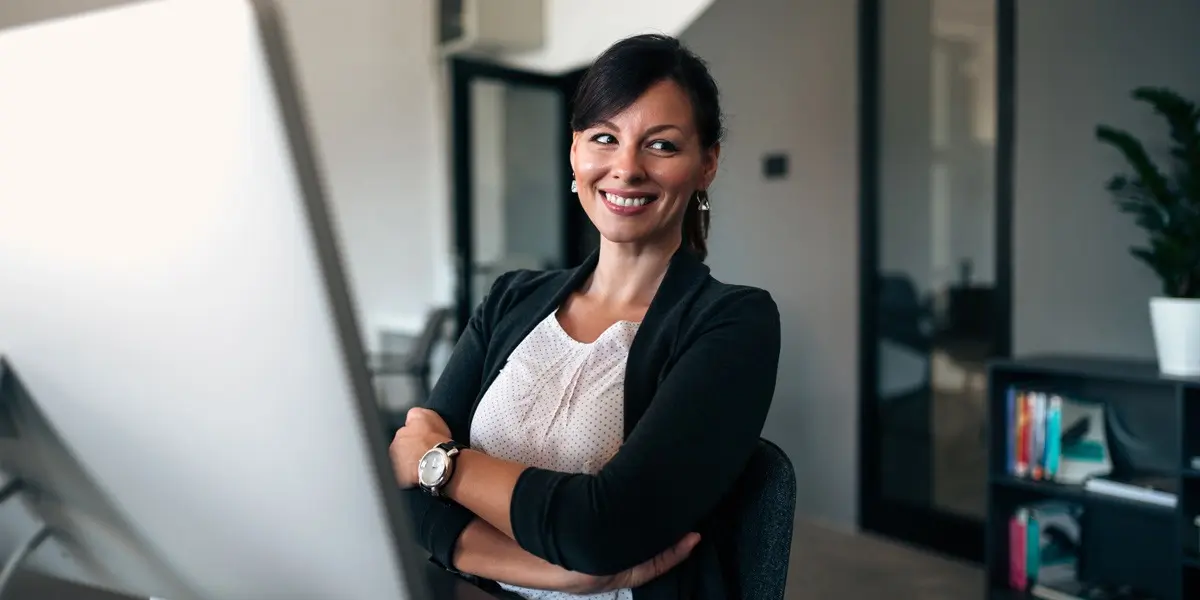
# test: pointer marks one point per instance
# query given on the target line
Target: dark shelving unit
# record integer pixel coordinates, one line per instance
(1123, 541)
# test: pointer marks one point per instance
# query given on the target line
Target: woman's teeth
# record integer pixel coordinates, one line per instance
(621, 201)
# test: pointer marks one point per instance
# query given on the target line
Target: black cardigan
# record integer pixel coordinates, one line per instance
(699, 381)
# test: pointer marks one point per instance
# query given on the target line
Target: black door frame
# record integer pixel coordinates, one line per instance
(462, 72)
(940, 531)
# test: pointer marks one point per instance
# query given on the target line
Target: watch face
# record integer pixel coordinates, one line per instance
(433, 465)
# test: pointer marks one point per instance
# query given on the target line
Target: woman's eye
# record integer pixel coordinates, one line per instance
(664, 146)
(604, 138)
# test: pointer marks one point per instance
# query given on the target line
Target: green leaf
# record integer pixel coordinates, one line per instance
(1181, 114)
(1183, 121)
(1164, 202)
(1135, 154)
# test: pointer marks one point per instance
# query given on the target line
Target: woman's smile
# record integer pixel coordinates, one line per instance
(627, 203)
(638, 170)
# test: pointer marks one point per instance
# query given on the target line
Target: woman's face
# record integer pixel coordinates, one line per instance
(637, 171)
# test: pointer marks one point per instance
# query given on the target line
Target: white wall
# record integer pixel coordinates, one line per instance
(787, 70)
(576, 32)
(368, 72)
(1075, 286)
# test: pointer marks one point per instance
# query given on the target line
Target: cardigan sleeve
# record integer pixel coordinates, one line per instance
(437, 523)
(684, 455)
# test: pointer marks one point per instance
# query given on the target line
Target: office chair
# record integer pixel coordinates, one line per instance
(421, 359)
(417, 364)
(763, 513)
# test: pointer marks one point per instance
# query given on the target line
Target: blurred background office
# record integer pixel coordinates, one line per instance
(915, 181)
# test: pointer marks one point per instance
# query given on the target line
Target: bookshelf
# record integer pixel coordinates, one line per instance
(1122, 541)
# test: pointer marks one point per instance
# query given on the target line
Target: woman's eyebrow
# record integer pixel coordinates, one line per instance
(653, 130)
(663, 127)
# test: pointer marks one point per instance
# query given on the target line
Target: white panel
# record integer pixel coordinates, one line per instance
(195, 425)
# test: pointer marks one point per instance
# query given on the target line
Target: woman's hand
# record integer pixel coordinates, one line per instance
(423, 429)
(637, 576)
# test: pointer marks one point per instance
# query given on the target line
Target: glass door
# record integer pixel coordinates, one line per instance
(935, 267)
(513, 207)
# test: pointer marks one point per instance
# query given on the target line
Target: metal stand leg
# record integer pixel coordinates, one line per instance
(10, 489)
(18, 557)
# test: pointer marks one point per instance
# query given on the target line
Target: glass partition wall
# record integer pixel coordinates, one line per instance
(513, 207)
(936, 133)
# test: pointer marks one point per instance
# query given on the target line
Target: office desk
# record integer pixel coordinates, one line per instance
(32, 586)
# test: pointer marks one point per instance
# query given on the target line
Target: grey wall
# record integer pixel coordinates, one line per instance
(1075, 286)
(787, 70)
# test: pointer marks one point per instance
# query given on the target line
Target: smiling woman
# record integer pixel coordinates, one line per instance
(642, 139)
(586, 435)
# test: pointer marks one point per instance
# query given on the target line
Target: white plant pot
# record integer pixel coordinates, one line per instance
(1176, 323)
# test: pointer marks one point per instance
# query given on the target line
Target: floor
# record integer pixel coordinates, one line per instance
(825, 564)
(959, 451)
(832, 564)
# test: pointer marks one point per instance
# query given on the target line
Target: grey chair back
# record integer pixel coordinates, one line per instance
(422, 354)
(764, 513)
(415, 363)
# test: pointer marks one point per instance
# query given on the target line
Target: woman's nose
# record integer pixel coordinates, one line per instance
(627, 165)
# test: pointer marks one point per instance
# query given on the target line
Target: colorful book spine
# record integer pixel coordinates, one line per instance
(1021, 433)
(1037, 438)
(1010, 423)
(1033, 546)
(1017, 549)
(1053, 437)
(1033, 446)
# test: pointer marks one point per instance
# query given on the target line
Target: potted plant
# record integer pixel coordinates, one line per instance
(1166, 204)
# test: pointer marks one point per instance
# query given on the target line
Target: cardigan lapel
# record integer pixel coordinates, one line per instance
(654, 341)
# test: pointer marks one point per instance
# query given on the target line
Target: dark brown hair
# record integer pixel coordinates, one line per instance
(624, 72)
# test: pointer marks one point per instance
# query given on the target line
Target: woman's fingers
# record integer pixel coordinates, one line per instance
(427, 419)
(416, 414)
(637, 576)
(657, 566)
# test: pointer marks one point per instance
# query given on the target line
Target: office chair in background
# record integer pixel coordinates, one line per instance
(414, 364)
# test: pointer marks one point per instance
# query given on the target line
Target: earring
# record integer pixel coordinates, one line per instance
(574, 187)
(702, 200)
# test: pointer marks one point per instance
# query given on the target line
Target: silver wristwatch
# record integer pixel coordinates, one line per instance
(437, 466)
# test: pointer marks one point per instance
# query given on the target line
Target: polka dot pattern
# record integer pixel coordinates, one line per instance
(558, 404)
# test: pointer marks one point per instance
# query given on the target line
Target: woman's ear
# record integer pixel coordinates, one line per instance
(709, 169)
(574, 149)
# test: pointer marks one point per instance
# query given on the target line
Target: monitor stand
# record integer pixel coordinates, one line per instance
(18, 557)
(15, 405)
(9, 389)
